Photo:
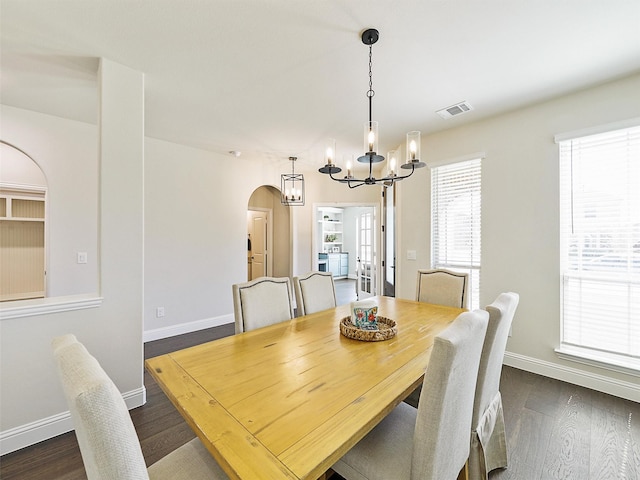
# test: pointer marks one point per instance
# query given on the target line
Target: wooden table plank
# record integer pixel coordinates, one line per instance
(334, 437)
(298, 392)
(235, 449)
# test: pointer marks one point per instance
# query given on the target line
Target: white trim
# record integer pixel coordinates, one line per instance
(594, 381)
(38, 191)
(45, 306)
(588, 357)
(188, 327)
(608, 127)
(451, 161)
(49, 427)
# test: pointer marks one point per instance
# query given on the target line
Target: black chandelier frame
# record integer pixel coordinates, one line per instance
(369, 37)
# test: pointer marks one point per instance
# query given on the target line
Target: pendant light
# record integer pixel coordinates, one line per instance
(371, 155)
(292, 186)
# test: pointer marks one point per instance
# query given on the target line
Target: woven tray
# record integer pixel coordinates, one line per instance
(386, 329)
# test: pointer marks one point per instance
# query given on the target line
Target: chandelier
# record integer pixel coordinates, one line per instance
(292, 186)
(371, 156)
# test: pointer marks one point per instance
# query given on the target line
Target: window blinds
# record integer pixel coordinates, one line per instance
(455, 220)
(600, 244)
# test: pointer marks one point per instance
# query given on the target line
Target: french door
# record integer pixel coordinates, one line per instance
(366, 271)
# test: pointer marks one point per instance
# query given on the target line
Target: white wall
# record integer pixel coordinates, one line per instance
(196, 231)
(16, 168)
(33, 407)
(67, 153)
(520, 219)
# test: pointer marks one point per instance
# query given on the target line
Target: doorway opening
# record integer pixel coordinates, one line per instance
(268, 235)
(345, 242)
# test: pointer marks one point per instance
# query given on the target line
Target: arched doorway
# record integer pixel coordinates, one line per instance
(23, 190)
(268, 235)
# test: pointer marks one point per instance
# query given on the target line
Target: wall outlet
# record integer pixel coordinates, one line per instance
(160, 312)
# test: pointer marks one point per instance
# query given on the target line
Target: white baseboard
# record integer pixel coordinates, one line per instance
(46, 428)
(594, 381)
(182, 328)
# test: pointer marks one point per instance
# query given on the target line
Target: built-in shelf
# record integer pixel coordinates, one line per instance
(330, 221)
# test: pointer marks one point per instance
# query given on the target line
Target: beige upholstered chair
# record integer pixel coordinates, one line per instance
(315, 291)
(443, 287)
(262, 302)
(108, 441)
(431, 442)
(488, 439)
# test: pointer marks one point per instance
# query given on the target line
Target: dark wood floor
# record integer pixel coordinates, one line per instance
(554, 430)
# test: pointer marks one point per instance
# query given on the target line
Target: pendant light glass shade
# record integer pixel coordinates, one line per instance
(292, 187)
(413, 151)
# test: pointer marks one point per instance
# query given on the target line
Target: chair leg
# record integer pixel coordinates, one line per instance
(464, 473)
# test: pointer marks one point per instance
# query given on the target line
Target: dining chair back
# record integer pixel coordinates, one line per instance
(432, 441)
(107, 438)
(443, 287)
(488, 437)
(262, 302)
(315, 291)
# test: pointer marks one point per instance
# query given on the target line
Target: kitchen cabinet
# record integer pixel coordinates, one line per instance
(336, 263)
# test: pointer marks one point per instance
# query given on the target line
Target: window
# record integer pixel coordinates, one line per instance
(600, 247)
(455, 221)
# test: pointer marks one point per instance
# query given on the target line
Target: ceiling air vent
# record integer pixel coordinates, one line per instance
(454, 110)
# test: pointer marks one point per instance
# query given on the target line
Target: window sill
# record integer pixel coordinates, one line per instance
(45, 306)
(599, 359)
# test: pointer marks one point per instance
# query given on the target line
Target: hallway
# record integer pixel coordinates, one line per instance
(345, 291)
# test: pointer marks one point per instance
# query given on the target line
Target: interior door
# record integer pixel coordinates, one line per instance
(258, 241)
(389, 242)
(366, 271)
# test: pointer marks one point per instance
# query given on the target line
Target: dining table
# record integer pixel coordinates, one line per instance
(286, 401)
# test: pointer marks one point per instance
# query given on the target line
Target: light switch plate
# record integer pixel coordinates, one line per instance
(411, 254)
(82, 257)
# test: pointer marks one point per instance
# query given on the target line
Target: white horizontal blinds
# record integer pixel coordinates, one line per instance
(600, 242)
(455, 220)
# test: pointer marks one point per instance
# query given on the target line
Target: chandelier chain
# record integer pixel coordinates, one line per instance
(370, 93)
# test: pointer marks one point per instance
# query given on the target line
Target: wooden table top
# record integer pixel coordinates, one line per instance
(288, 400)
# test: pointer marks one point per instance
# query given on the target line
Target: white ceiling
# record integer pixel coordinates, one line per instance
(274, 78)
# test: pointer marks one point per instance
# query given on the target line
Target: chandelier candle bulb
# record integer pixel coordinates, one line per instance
(331, 151)
(413, 146)
(370, 141)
